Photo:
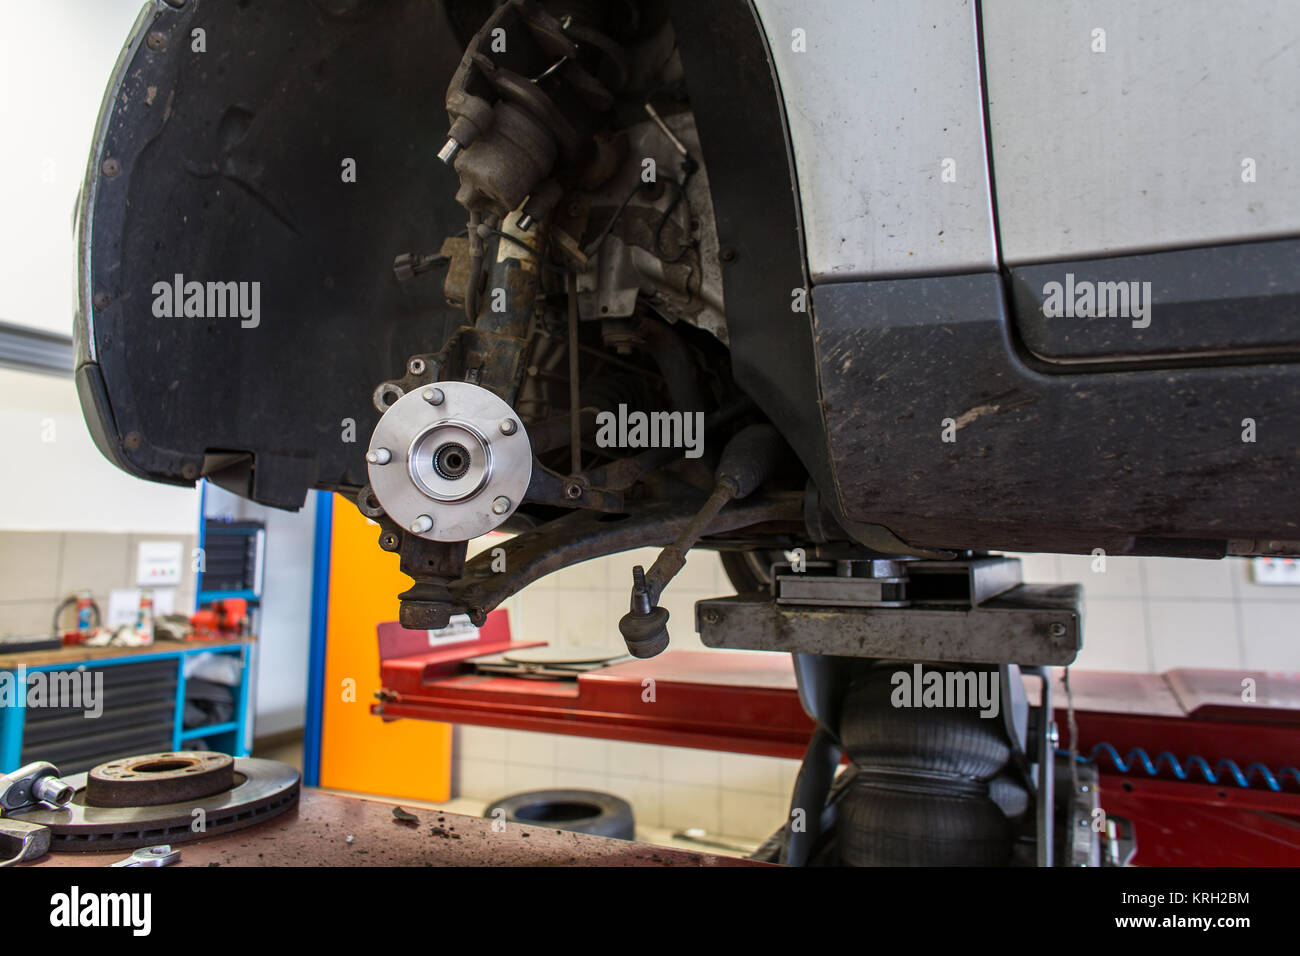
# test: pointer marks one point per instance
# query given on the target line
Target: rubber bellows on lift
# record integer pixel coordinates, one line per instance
(920, 796)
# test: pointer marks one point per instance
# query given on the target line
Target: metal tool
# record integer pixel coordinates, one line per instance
(35, 784)
(161, 855)
(20, 841)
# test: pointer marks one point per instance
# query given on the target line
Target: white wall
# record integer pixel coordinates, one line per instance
(55, 479)
(1156, 614)
(55, 62)
(56, 59)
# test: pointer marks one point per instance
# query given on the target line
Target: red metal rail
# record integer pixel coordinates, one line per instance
(744, 703)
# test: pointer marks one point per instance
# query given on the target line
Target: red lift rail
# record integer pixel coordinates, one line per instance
(738, 702)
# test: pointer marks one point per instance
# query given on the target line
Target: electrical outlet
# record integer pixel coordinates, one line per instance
(158, 564)
(1275, 572)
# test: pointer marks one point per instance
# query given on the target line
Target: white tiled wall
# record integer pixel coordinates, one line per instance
(38, 569)
(671, 787)
(1153, 614)
(579, 606)
(1142, 614)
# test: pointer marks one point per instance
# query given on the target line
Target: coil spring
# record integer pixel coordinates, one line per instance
(1139, 758)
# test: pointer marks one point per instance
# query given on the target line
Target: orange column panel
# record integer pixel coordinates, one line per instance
(360, 752)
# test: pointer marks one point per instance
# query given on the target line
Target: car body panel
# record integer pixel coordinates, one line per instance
(886, 121)
(1141, 147)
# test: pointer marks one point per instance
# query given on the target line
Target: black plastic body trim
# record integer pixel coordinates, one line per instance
(939, 430)
(1216, 302)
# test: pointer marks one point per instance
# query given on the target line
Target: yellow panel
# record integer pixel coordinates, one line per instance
(360, 752)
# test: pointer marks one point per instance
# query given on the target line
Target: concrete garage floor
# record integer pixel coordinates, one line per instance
(290, 752)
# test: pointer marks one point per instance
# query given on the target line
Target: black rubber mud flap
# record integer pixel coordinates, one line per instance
(225, 160)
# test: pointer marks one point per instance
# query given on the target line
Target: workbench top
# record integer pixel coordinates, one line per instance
(81, 654)
(315, 833)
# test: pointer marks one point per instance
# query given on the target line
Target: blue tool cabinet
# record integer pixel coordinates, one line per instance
(143, 708)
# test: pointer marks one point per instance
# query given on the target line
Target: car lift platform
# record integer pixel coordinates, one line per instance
(1203, 762)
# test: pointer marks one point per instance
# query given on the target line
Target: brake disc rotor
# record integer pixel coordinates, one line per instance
(249, 790)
